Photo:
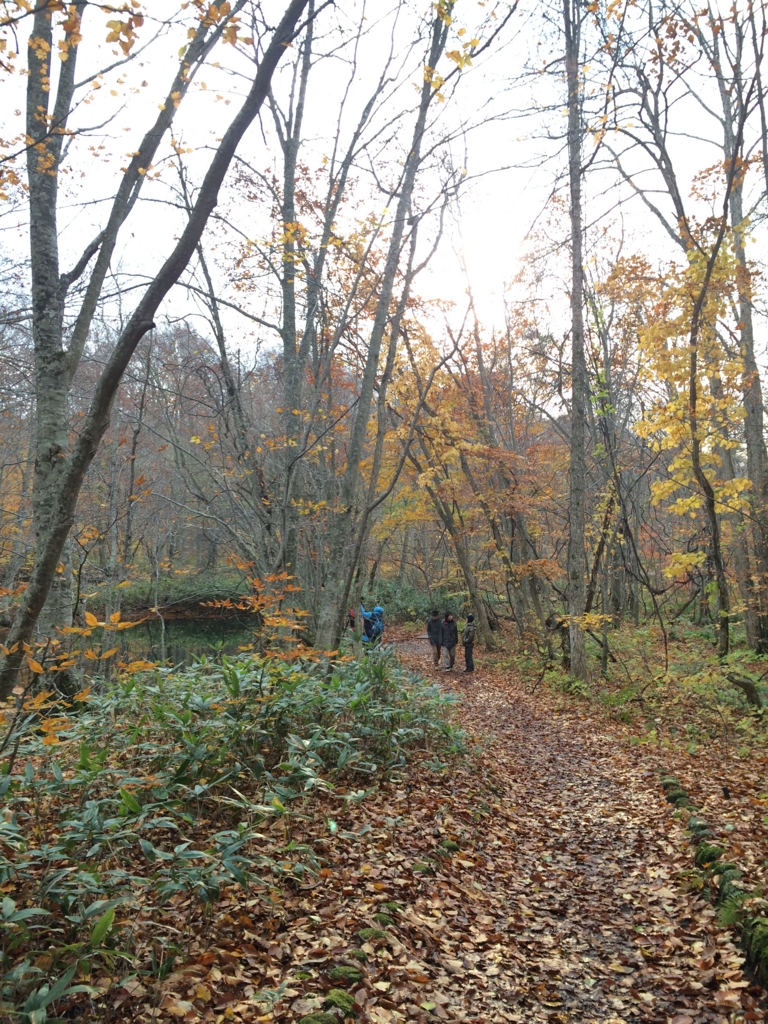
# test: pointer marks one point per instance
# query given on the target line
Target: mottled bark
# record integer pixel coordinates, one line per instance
(75, 465)
(290, 135)
(577, 557)
(753, 580)
(756, 578)
(48, 294)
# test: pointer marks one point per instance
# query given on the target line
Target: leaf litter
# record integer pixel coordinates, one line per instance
(537, 879)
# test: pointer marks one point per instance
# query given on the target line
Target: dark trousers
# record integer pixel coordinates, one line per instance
(469, 657)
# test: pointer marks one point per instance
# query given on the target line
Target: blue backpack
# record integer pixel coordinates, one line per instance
(378, 622)
(373, 624)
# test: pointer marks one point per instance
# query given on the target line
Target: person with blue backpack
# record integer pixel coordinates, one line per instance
(373, 624)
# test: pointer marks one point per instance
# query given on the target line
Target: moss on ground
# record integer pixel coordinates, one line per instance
(339, 999)
(707, 854)
(674, 793)
(682, 802)
(346, 973)
(729, 895)
(756, 944)
(449, 846)
(698, 827)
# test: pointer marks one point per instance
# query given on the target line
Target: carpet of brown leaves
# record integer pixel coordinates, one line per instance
(561, 903)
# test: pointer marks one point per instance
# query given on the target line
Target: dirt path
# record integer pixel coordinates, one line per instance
(541, 878)
(564, 901)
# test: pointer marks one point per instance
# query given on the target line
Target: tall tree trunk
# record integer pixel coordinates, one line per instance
(731, 87)
(48, 304)
(757, 462)
(740, 547)
(710, 503)
(404, 556)
(51, 377)
(332, 609)
(577, 556)
(128, 535)
(293, 398)
(734, 173)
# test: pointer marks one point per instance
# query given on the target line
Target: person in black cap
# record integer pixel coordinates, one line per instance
(449, 637)
(468, 642)
(434, 635)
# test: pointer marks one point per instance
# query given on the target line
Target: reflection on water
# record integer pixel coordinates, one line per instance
(186, 640)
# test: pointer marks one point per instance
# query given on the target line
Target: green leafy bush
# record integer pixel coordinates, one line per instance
(405, 603)
(171, 785)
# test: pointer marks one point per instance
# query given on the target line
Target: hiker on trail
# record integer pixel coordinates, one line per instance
(434, 635)
(449, 637)
(373, 624)
(378, 622)
(468, 642)
(367, 621)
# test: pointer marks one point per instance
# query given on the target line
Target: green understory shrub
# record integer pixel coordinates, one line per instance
(755, 934)
(707, 853)
(117, 806)
(402, 602)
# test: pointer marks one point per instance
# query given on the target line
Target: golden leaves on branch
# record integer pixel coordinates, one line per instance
(123, 32)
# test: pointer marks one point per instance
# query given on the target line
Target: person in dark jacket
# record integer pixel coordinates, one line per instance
(449, 637)
(434, 635)
(468, 643)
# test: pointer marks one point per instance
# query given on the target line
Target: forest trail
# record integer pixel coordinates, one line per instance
(538, 878)
(563, 902)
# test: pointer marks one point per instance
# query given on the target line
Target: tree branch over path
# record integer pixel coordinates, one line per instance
(98, 416)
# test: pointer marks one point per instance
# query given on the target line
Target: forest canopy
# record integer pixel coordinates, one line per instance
(334, 333)
(306, 305)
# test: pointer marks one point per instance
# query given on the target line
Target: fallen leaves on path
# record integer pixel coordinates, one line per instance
(538, 879)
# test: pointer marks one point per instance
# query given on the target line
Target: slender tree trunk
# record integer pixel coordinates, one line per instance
(404, 556)
(740, 547)
(757, 462)
(710, 504)
(577, 556)
(293, 391)
(697, 312)
(735, 96)
(128, 536)
(51, 377)
(599, 552)
(331, 613)
(112, 602)
(48, 305)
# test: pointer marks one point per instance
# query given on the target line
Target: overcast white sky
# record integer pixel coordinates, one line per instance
(511, 151)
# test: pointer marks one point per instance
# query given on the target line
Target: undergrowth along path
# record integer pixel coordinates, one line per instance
(539, 878)
(571, 904)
